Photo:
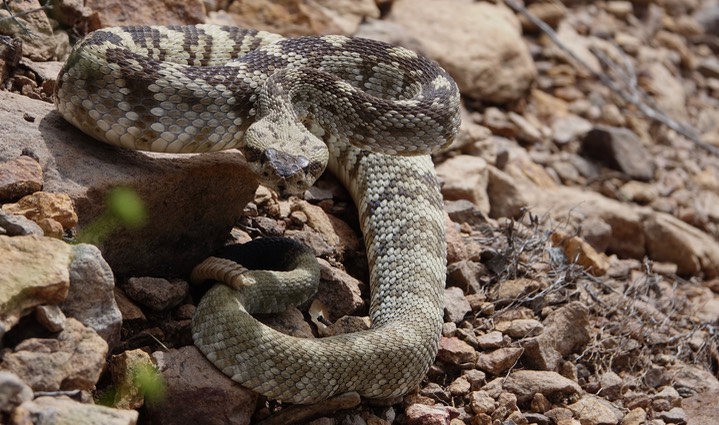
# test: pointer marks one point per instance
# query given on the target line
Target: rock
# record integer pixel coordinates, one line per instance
(53, 212)
(635, 417)
(540, 403)
(13, 392)
(671, 240)
(344, 325)
(50, 317)
(491, 340)
(421, 414)
(465, 177)
(580, 252)
(481, 402)
(525, 383)
(129, 310)
(506, 198)
(91, 298)
(592, 410)
(335, 232)
(294, 18)
(509, 290)
(459, 386)
(197, 392)
(693, 379)
(18, 225)
(456, 305)
(33, 29)
(520, 328)
(568, 128)
(72, 361)
(454, 351)
(666, 89)
(566, 330)
(465, 275)
(109, 13)
(339, 292)
(19, 177)
(701, 408)
(499, 70)
(125, 369)
(157, 293)
(611, 385)
(63, 410)
(35, 272)
(597, 233)
(674, 416)
(209, 191)
(619, 149)
(463, 211)
(498, 361)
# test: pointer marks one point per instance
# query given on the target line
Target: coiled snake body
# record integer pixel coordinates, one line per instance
(370, 111)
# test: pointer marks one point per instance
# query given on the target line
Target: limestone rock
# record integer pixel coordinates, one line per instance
(72, 361)
(63, 410)
(498, 68)
(198, 392)
(91, 297)
(19, 177)
(191, 201)
(35, 272)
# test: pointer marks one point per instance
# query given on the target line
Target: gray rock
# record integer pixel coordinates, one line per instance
(198, 392)
(620, 149)
(339, 292)
(91, 298)
(456, 305)
(13, 391)
(62, 410)
(18, 225)
(192, 201)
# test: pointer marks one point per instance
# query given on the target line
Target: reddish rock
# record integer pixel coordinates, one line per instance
(455, 351)
(19, 177)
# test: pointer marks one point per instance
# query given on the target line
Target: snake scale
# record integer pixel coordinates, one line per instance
(369, 111)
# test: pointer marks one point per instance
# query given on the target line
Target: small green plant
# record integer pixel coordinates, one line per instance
(125, 209)
(150, 383)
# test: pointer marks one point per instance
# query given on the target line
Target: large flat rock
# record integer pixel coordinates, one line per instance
(192, 201)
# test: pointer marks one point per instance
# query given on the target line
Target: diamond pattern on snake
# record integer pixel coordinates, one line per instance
(370, 112)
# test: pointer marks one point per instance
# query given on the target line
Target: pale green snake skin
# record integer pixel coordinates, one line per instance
(370, 111)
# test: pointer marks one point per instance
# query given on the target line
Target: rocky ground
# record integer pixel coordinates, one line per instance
(583, 214)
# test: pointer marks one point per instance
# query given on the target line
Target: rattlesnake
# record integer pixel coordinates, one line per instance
(371, 111)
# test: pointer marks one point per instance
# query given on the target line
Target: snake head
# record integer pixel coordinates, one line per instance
(284, 155)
